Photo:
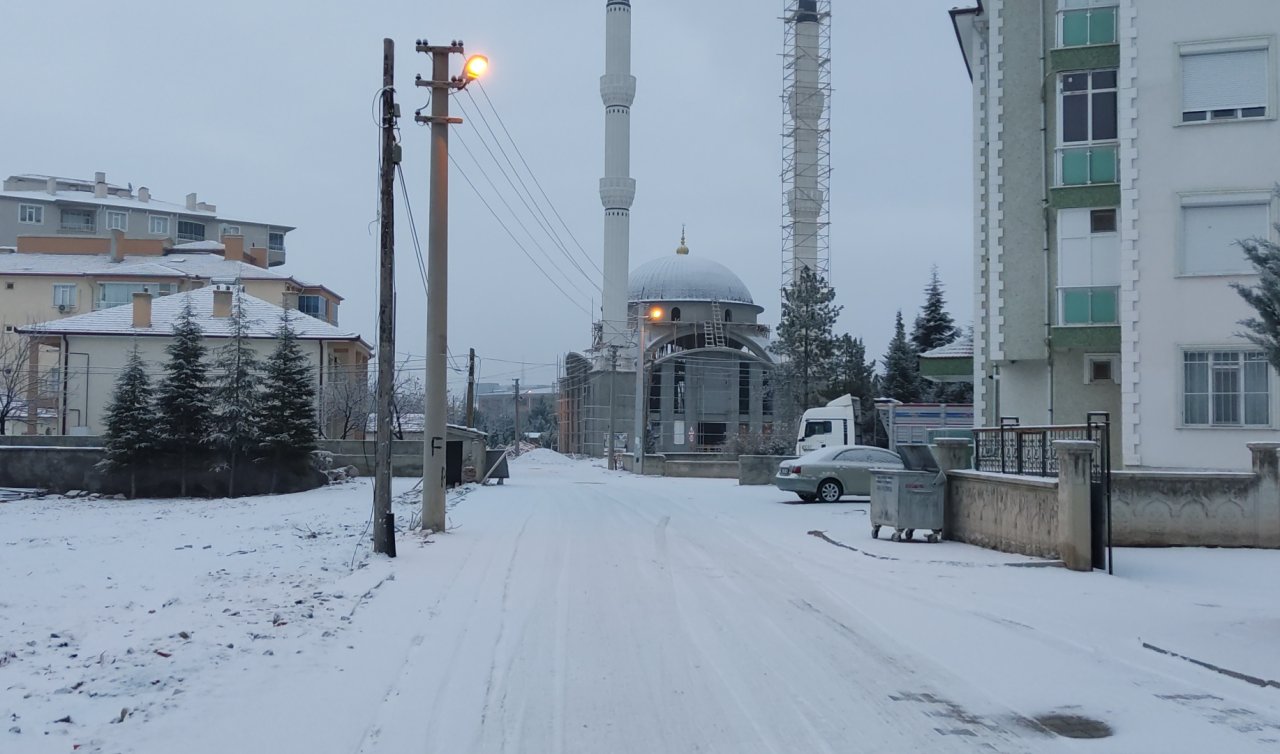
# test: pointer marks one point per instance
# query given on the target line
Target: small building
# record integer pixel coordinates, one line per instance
(93, 348)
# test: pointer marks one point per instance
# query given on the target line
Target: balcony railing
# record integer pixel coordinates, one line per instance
(1088, 165)
(1087, 26)
(1089, 306)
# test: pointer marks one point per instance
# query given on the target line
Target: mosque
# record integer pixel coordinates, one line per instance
(679, 361)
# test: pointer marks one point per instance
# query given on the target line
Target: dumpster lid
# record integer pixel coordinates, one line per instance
(917, 457)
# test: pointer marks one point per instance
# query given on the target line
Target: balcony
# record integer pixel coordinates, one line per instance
(1087, 26)
(1088, 306)
(1088, 165)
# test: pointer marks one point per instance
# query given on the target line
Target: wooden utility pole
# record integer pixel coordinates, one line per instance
(384, 529)
(471, 389)
(517, 399)
(613, 429)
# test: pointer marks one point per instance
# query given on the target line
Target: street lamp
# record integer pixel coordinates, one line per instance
(434, 425)
(643, 313)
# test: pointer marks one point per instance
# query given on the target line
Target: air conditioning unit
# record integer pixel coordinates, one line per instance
(63, 308)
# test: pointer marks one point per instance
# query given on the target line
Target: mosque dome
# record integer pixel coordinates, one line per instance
(684, 277)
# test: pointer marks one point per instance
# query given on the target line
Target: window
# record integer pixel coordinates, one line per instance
(744, 387)
(189, 231)
(78, 221)
(1086, 22)
(728, 315)
(316, 306)
(675, 314)
(64, 297)
(815, 427)
(1226, 389)
(1088, 267)
(1098, 369)
(655, 391)
(766, 397)
(8, 286)
(117, 220)
(1225, 84)
(31, 214)
(159, 225)
(119, 294)
(1213, 226)
(1087, 128)
(677, 385)
(857, 455)
(275, 241)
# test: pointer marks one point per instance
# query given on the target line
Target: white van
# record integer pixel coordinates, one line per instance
(833, 424)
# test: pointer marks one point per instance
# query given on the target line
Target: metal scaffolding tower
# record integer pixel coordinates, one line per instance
(806, 133)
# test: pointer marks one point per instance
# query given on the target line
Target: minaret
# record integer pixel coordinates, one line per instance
(617, 187)
(807, 164)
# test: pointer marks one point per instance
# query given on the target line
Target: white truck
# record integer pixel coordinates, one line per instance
(833, 424)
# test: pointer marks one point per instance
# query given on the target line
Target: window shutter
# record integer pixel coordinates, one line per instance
(1210, 235)
(1222, 80)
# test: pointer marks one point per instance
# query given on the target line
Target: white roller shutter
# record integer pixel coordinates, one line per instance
(1225, 80)
(1210, 234)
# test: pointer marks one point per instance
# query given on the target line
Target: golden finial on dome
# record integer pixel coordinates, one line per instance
(682, 249)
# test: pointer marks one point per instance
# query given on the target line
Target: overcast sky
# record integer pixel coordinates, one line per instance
(265, 109)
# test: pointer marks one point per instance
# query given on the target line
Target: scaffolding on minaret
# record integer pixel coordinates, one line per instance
(806, 134)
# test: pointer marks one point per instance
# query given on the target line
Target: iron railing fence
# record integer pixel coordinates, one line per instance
(1028, 451)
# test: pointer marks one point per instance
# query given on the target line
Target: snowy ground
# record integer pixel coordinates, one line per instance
(579, 610)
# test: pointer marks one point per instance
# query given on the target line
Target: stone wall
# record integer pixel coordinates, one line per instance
(700, 469)
(1003, 512)
(1199, 509)
(759, 470)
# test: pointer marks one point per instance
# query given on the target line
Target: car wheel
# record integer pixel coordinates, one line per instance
(806, 497)
(829, 491)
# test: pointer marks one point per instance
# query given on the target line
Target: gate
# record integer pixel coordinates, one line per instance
(1028, 451)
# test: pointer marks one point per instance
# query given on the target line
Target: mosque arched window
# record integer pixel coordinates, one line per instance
(675, 314)
(728, 315)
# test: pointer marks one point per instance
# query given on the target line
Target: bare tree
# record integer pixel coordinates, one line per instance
(408, 401)
(15, 380)
(346, 404)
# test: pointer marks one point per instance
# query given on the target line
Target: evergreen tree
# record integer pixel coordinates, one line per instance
(129, 438)
(1264, 329)
(236, 396)
(856, 376)
(934, 327)
(805, 339)
(182, 399)
(901, 367)
(287, 429)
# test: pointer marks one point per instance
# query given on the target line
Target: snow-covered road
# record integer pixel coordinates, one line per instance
(578, 610)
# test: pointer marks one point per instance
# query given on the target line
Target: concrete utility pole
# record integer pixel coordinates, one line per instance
(437, 401)
(384, 530)
(471, 388)
(613, 427)
(517, 401)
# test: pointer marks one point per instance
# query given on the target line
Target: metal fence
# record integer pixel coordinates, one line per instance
(1028, 451)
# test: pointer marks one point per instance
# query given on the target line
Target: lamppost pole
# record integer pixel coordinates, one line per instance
(638, 435)
(433, 467)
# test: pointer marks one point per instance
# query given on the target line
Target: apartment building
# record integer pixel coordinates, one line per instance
(1121, 149)
(42, 205)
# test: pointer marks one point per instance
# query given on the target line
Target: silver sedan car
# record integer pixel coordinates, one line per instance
(828, 474)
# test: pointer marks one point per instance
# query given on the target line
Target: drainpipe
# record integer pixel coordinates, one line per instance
(1047, 211)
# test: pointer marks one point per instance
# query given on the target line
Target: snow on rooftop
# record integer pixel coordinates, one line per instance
(264, 319)
(960, 349)
(200, 246)
(170, 265)
(685, 277)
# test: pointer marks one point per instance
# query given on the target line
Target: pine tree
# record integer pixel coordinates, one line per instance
(856, 376)
(235, 397)
(130, 437)
(934, 327)
(182, 399)
(1263, 330)
(805, 339)
(287, 428)
(901, 367)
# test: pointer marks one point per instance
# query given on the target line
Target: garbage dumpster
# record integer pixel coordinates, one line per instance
(909, 498)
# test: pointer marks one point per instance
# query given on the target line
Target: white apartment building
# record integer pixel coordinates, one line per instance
(1121, 149)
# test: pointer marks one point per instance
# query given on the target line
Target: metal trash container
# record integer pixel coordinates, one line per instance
(909, 498)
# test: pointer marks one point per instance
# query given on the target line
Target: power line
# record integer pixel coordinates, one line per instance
(532, 175)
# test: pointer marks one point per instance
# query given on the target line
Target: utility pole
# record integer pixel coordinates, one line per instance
(613, 427)
(384, 529)
(437, 400)
(471, 389)
(517, 400)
